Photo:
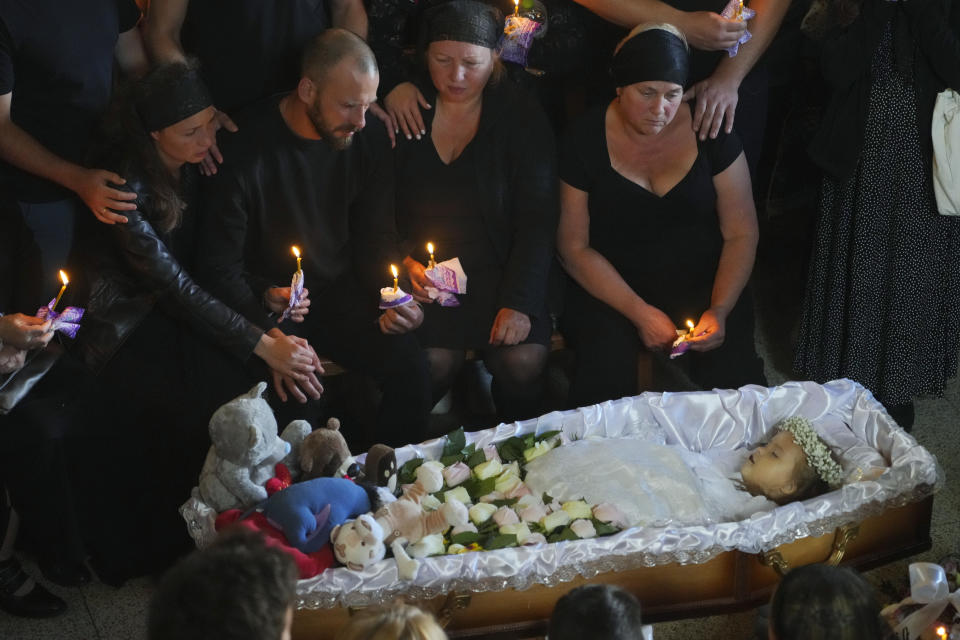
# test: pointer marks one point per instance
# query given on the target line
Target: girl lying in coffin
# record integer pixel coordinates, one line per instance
(658, 484)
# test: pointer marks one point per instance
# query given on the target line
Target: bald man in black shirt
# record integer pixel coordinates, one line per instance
(304, 171)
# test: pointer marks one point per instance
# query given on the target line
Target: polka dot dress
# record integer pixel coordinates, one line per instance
(882, 304)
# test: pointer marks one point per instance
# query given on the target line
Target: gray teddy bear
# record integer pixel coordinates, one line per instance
(245, 450)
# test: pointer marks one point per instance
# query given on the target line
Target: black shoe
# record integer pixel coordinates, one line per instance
(36, 603)
(72, 574)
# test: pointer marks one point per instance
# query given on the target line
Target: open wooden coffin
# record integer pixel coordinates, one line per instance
(676, 571)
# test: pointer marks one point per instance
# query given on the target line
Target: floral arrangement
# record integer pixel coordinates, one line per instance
(927, 608)
(503, 511)
(818, 454)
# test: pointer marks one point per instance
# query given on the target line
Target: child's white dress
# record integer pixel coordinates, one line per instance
(654, 485)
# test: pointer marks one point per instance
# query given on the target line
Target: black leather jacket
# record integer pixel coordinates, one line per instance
(129, 270)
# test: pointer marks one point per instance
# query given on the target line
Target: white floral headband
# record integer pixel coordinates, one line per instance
(818, 454)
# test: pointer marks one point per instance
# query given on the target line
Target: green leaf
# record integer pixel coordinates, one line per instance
(479, 488)
(536, 527)
(547, 498)
(511, 449)
(453, 458)
(407, 474)
(528, 441)
(469, 450)
(465, 538)
(506, 502)
(476, 458)
(488, 527)
(547, 435)
(604, 528)
(499, 541)
(456, 441)
(566, 533)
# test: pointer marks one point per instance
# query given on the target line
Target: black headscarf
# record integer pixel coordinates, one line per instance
(655, 54)
(169, 95)
(462, 21)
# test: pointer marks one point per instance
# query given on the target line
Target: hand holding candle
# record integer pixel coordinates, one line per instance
(390, 298)
(67, 322)
(296, 286)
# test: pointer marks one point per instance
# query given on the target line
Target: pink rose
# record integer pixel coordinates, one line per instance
(490, 497)
(456, 474)
(533, 513)
(518, 491)
(606, 512)
(535, 538)
(505, 515)
(583, 528)
(490, 451)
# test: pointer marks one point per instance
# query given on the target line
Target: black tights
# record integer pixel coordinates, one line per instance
(517, 376)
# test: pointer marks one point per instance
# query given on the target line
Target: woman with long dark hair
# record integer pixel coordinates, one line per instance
(165, 353)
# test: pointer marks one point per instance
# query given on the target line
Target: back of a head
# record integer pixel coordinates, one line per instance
(237, 589)
(398, 622)
(819, 601)
(596, 611)
(328, 49)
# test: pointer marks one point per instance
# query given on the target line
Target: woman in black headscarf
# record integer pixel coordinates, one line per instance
(481, 185)
(656, 228)
(165, 353)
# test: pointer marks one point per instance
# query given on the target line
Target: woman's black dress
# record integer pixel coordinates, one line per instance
(667, 249)
(884, 289)
(493, 207)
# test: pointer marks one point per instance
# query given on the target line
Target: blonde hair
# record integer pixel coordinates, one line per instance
(398, 622)
(650, 26)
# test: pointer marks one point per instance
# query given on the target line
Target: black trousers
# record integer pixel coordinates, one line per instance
(607, 346)
(342, 324)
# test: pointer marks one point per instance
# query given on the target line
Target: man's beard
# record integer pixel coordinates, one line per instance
(329, 133)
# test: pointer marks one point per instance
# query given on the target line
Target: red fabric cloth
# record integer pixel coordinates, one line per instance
(309, 565)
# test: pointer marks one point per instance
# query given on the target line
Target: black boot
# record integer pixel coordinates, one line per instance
(35, 603)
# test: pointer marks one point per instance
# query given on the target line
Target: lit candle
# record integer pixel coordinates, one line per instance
(393, 269)
(516, 7)
(740, 11)
(296, 252)
(432, 263)
(66, 281)
(689, 328)
(942, 632)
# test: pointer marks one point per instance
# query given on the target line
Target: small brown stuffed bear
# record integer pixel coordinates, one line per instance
(323, 451)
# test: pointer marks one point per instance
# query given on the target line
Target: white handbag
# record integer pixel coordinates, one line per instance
(946, 152)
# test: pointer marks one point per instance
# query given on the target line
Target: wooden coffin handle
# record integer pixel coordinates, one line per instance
(843, 536)
(453, 602)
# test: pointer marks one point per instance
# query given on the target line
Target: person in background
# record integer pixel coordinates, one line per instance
(819, 601)
(598, 612)
(238, 588)
(657, 227)
(397, 622)
(53, 89)
(481, 184)
(883, 288)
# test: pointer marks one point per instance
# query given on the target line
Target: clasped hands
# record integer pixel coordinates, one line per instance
(658, 332)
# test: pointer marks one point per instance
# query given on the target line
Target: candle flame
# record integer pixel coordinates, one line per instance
(393, 270)
(430, 248)
(690, 324)
(296, 250)
(516, 7)
(63, 277)
(942, 631)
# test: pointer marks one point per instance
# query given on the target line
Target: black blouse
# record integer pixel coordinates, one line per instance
(665, 247)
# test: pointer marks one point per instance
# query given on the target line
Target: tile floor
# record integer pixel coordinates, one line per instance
(98, 612)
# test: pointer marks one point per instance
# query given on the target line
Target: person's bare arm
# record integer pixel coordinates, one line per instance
(130, 53)
(598, 277)
(22, 150)
(703, 29)
(350, 15)
(162, 35)
(737, 216)
(717, 95)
